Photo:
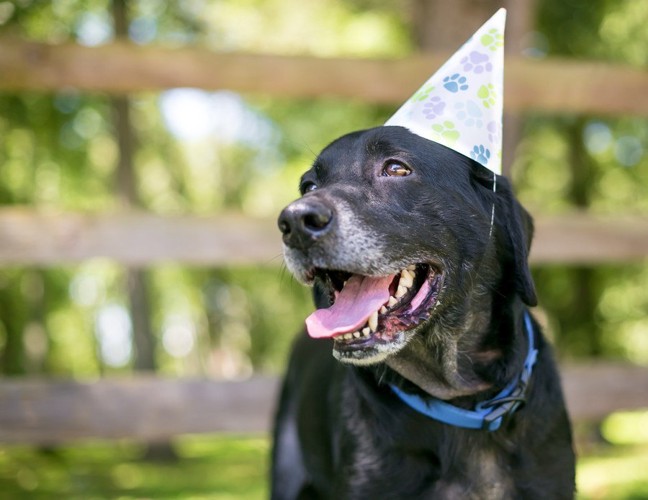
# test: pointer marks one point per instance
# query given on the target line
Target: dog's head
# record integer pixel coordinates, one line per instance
(399, 234)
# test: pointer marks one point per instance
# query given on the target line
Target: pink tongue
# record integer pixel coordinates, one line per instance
(361, 296)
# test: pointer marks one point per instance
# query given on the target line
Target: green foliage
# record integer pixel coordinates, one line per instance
(59, 153)
(589, 163)
(324, 28)
(623, 32)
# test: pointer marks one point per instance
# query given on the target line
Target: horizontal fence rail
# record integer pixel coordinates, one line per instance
(582, 238)
(550, 85)
(152, 409)
(30, 237)
(144, 408)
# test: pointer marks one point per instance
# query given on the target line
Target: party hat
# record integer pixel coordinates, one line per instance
(460, 106)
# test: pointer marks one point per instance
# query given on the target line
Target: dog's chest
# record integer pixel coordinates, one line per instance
(448, 468)
(482, 478)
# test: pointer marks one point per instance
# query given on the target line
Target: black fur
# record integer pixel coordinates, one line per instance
(340, 432)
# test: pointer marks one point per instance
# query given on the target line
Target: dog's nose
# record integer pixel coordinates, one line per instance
(303, 222)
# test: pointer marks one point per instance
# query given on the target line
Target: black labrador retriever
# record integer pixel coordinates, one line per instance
(440, 384)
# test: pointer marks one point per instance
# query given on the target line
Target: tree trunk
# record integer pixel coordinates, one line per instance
(136, 278)
(581, 323)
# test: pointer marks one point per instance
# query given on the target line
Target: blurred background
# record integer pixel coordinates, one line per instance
(146, 148)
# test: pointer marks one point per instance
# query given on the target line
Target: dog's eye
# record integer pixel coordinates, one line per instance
(308, 186)
(396, 169)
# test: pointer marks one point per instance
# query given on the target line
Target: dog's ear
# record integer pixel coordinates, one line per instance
(516, 231)
(518, 225)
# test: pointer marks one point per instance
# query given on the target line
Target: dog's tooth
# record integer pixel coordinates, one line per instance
(366, 331)
(401, 291)
(373, 321)
(356, 334)
(392, 301)
(411, 268)
(383, 310)
(347, 336)
(406, 279)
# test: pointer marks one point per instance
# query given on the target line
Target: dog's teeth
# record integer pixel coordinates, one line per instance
(347, 336)
(392, 301)
(356, 335)
(411, 268)
(366, 331)
(401, 291)
(406, 278)
(373, 321)
(383, 310)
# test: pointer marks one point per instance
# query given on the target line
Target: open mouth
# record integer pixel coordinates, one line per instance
(374, 317)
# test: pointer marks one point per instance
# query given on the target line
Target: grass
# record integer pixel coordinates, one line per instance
(228, 468)
(219, 468)
(614, 472)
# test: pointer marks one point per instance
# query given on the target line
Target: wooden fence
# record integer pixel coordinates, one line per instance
(148, 408)
(548, 85)
(31, 237)
(50, 412)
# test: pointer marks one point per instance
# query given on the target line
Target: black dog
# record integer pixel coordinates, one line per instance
(425, 261)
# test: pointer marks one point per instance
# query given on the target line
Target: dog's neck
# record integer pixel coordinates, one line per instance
(411, 365)
(452, 362)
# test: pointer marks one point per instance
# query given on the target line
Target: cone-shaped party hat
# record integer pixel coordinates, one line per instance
(460, 106)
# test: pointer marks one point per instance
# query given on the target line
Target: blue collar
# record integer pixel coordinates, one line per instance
(489, 414)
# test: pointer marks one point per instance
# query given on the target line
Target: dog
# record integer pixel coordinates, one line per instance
(419, 270)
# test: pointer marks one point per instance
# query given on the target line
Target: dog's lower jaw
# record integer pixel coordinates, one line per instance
(380, 353)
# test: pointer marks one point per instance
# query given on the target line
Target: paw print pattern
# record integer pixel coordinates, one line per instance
(492, 40)
(433, 108)
(455, 83)
(423, 93)
(488, 95)
(476, 62)
(494, 132)
(470, 114)
(446, 131)
(481, 154)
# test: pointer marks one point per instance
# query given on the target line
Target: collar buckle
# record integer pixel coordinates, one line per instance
(503, 407)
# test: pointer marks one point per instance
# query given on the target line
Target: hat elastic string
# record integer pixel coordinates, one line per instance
(492, 222)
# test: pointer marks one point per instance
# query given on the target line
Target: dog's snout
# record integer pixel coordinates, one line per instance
(303, 222)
